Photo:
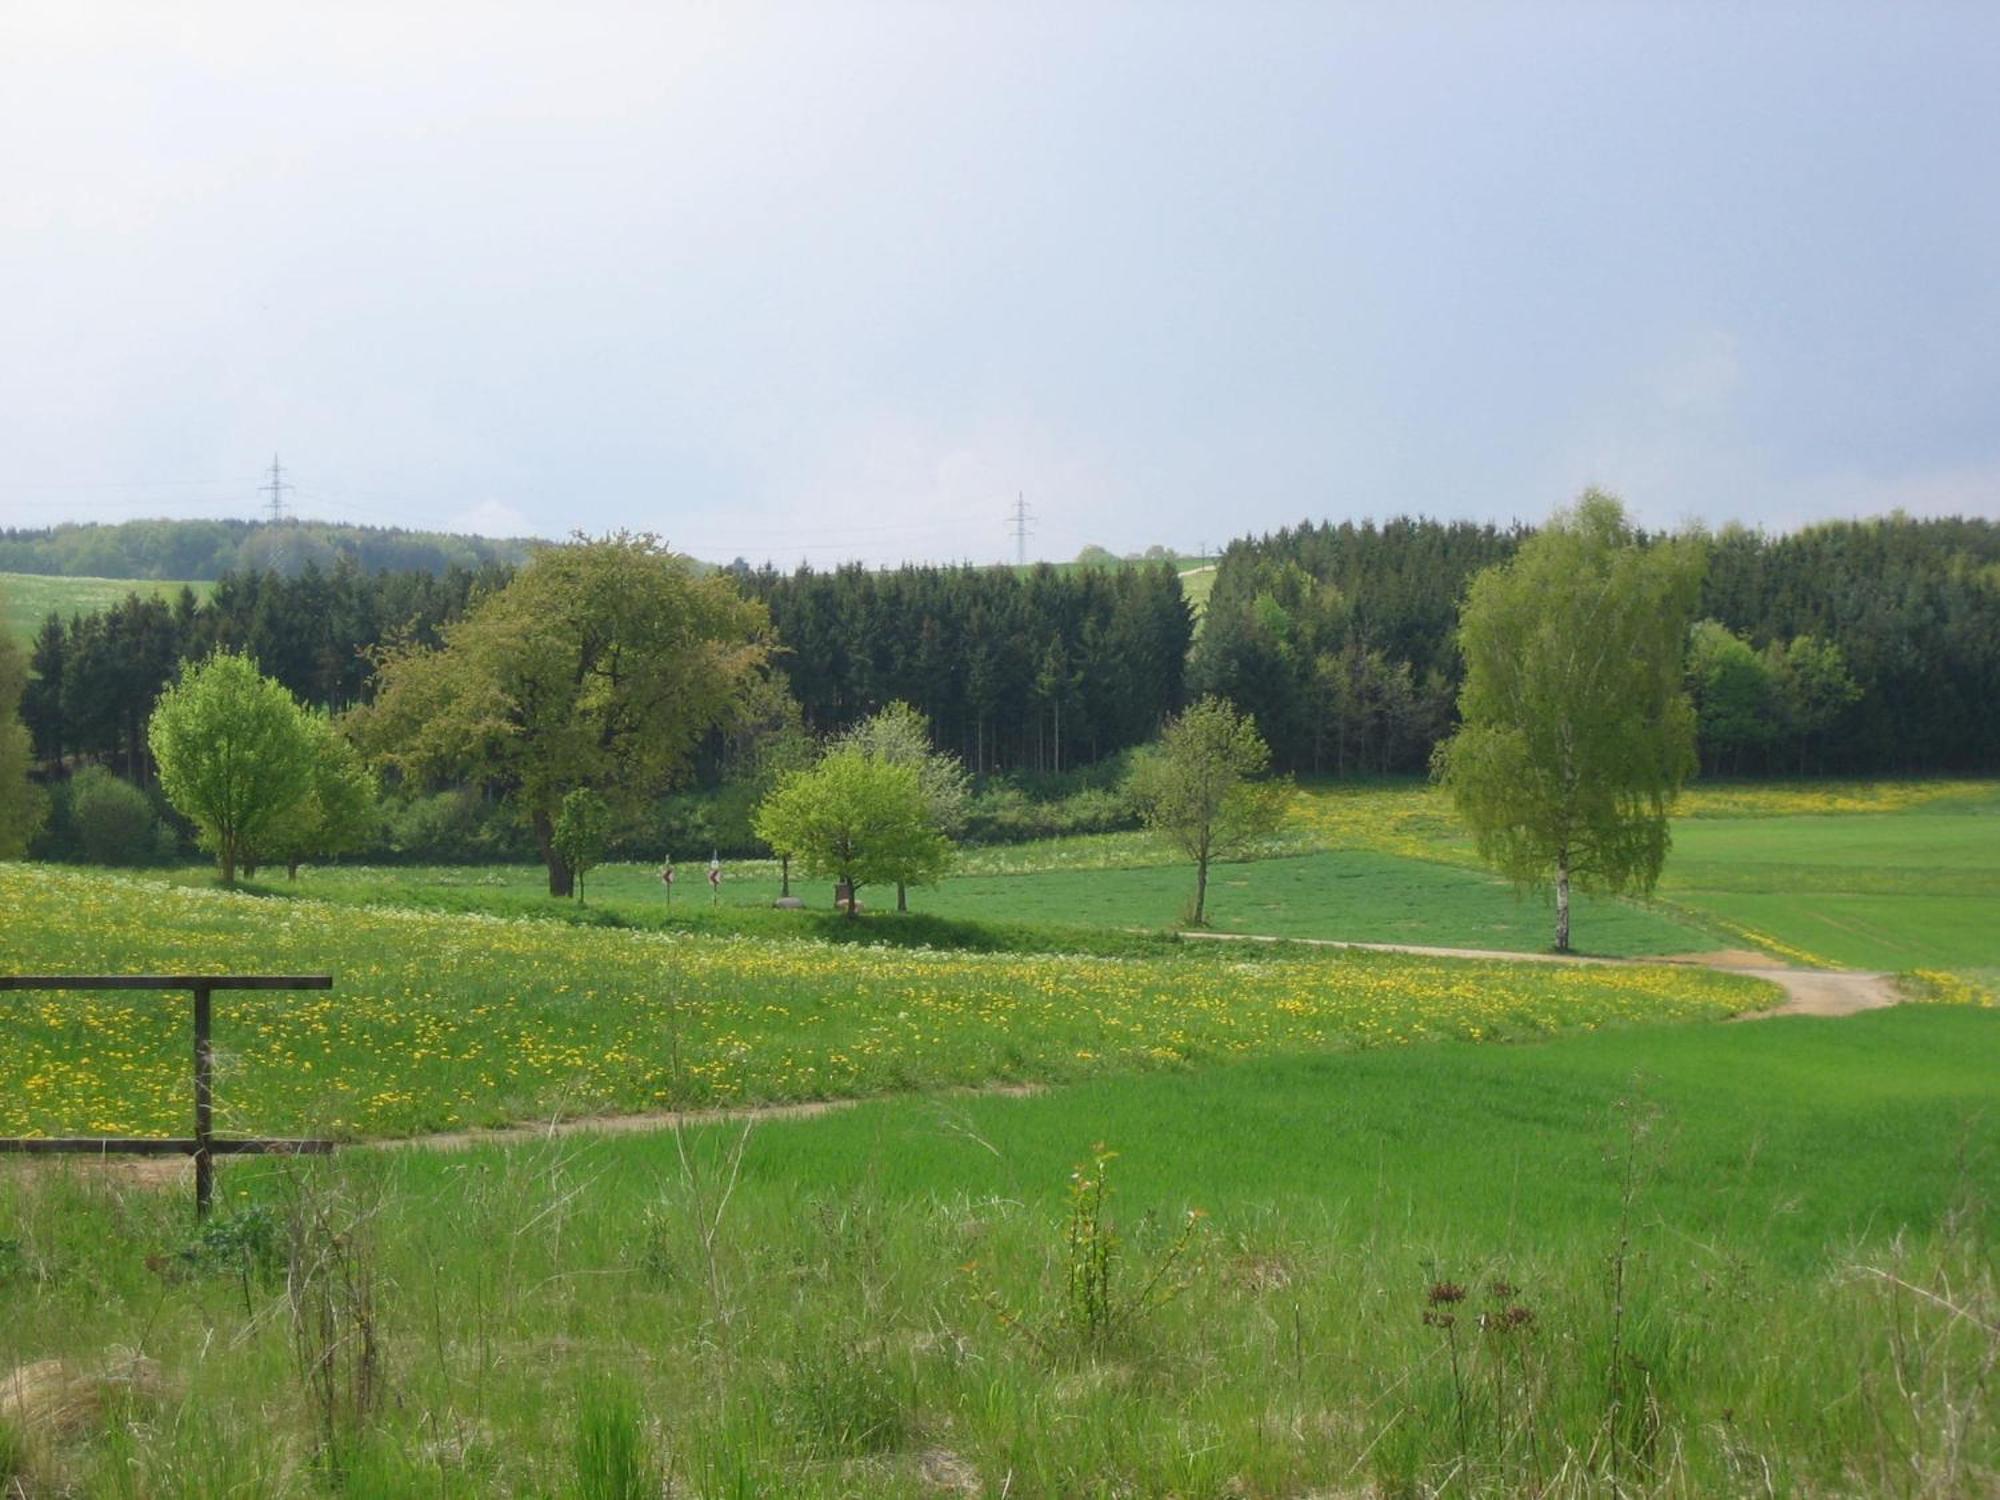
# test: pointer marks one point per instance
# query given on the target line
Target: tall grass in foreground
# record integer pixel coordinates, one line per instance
(536, 1343)
(1769, 1268)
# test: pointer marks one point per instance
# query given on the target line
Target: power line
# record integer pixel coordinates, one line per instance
(1019, 524)
(275, 487)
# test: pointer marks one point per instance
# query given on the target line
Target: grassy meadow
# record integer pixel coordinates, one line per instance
(1897, 876)
(27, 599)
(445, 1019)
(1267, 1220)
(1690, 1260)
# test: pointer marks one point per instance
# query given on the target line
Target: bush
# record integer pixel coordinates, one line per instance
(113, 821)
(1007, 814)
(455, 827)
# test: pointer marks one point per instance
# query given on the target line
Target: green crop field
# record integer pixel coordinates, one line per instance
(1895, 876)
(27, 599)
(1891, 890)
(1197, 583)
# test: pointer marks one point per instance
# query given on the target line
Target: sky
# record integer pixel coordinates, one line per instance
(831, 281)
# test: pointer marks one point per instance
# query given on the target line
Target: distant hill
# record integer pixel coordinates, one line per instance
(27, 599)
(169, 550)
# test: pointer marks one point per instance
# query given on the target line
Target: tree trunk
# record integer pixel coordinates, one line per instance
(785, 874)
(1562, 902)
(291, 869)
(561, 882)
(228, 853)
(1201, 889)
(902, 897)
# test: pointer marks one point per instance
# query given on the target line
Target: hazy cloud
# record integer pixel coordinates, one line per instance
(818, 281)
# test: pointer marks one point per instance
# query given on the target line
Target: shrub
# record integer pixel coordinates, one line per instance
(1008, 814)
(455, 827)
(113, 820)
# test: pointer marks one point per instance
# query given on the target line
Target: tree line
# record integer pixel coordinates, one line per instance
(96, 677)
(1041, 671)
(1856, 647)
(1851, 647)
(202, 550)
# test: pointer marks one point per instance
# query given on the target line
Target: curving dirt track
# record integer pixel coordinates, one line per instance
(1808, 992)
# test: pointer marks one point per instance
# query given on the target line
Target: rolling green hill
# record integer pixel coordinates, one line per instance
(26, 599)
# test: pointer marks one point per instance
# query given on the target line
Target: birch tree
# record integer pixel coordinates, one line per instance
(1576, 733)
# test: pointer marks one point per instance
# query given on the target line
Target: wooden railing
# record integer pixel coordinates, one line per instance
(204, 1146)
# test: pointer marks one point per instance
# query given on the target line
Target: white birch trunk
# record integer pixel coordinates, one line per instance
(1562, 902)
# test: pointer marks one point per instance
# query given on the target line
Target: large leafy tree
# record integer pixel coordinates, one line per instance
(860, 819)
(900, 735)
(1814, 687)
(602, 664)
(235, 753)
(1577, 733)
(1197, 789)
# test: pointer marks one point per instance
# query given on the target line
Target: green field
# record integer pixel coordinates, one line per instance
(27, 599)
(1699, 1225)
(1890, 890)
(1907, 887)
(1358, 896)
(446, 1019)
(1197, 583)
(1379, 1225)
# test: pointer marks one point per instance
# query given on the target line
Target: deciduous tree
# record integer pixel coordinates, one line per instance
(235, 753)
(601, 664)
(583, 828)
(862, 820)
(1576, 731)
(900, 735)
(1735, 696)
(1196, 789)
(340, 810)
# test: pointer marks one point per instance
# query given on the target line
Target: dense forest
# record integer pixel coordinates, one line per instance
(96, 677)
(209, 549)
(1038, 671)
(1338, 638)
(1912, 609)
(1851, 646)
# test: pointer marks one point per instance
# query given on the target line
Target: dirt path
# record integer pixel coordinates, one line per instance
(1808, 992)
(642, 1124)
(166, 1171)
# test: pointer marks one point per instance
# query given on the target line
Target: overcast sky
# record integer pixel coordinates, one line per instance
(828, 281)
